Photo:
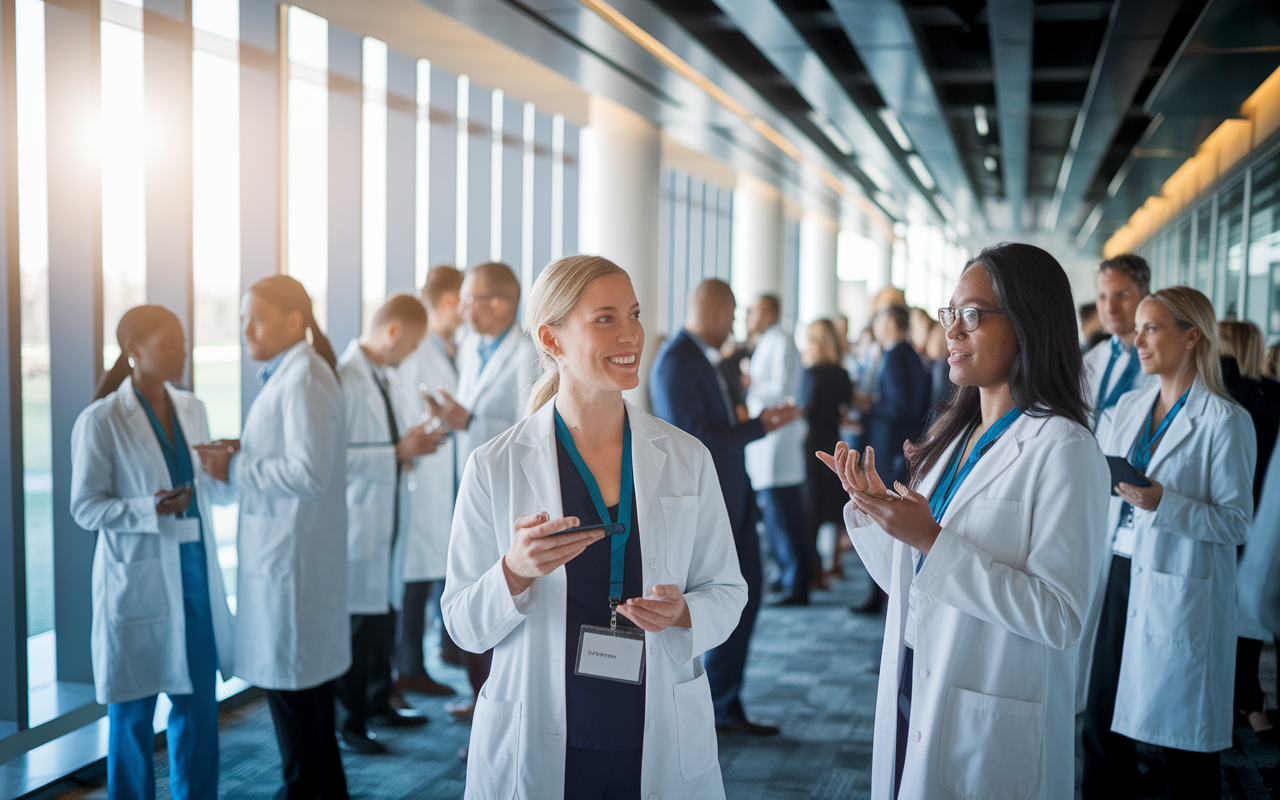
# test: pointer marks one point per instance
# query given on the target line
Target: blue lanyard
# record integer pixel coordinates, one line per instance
(1124, 384)
(956, 472)
(618, 544)
(1144, 446)
(173, 451)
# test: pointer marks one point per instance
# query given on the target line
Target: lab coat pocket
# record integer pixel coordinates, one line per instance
(990, 746)
(680, 515)
(493, 763)
(995, 526)
(137, 591)
(267, 545)
(1177, 610)
(695, 727)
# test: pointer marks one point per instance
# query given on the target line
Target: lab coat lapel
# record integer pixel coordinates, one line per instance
(1130, 414)
(1181, 427)
(539, 462)
(647, 461)
(998, 459)
(137, 420)
(497, 362)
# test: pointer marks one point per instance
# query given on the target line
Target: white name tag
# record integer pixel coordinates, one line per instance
(186, 529)
(612, 655)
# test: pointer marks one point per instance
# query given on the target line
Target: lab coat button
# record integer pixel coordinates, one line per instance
(653, 649)
(650, 723)
(653, 797)
(924, 672)
(653, 563)
(917, 737)
(924, 601)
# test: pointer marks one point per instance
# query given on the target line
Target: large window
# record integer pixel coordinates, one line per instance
(698, 238)
(1264, 247)
(373, 194)
(1203, 279)
(1230, 251)
(308, 157)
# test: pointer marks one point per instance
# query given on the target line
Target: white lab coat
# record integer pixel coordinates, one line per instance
(433, 479)
(138, 639)
(373, 476)
(518, 733)
(999, 604)
(776, 374)
(292, 627)
(498, 396)
(1095, 367)
(1177, 672)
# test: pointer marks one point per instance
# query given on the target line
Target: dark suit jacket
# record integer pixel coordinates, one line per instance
(683, 390)
(1262, 400)
(898, 413)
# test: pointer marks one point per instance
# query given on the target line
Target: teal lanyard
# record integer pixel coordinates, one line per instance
(618, 544)
(1144, 447)
(1123, 384)
(956, 472)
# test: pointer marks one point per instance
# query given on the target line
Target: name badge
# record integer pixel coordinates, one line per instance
(612, 655)
(187, 529)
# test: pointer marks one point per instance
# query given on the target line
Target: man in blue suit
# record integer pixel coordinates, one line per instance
(687, 390)
(896, 410)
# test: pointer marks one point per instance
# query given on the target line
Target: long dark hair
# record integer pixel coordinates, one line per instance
(138, 322)
(288, 295)
(1047, 375)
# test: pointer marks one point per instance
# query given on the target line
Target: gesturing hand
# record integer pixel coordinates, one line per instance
(1145, 497)
(856, 475)
(536, 550)
(665, 607)
(215, 457)
(169, 502)
(906, 517)
(418, 441)
(775, 417)
(448, 409)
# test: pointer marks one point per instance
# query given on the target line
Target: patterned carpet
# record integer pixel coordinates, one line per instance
(808, 673)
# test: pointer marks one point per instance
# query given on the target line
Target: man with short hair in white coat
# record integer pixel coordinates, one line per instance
(1111, 367)
(381, 448)
(776, 463)
(496, 368)
(432, 483)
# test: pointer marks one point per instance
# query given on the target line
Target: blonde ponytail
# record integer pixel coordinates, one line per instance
(554, 296)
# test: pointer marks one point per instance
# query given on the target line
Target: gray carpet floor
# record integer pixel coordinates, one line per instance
(811, 672)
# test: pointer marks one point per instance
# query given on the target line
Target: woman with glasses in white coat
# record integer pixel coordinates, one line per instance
(160, 616)
(597, 689)
(1163, 659)
(989, 561)
(289, 469)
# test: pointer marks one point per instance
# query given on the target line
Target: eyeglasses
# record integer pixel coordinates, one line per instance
(477, 299)
(969, 317)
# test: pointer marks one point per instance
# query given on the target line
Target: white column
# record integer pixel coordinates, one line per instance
(757, 239)
(818, 281)
(619, 177)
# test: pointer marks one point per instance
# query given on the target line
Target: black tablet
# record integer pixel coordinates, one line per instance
(611, 529)
(1123, 472)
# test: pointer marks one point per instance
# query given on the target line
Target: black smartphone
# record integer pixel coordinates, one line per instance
(1123, 472)
(610, 529)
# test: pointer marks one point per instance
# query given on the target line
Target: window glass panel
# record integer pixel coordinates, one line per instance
(33, 264)
(1230, 252)
(1183, 275)
(1264, 245)
(308, 157)
(123, 145)
(373, 201)
(1203, 279)
(216, 245)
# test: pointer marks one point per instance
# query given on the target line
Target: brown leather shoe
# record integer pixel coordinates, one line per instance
(423, 684)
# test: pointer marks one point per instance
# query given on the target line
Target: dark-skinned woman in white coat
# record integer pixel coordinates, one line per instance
(1163, 655)
(990, 558)
(556, 717)
(289, 469)
(160, 616)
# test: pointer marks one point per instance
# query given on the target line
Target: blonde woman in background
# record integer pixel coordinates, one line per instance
(554, 718)
(1163, 659)
(1242, 354)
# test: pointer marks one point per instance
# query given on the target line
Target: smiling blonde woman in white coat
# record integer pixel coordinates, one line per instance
(1162, 666)
(989, 571)
(508, 586)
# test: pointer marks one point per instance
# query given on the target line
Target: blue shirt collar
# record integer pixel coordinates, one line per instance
(269, 368)
(1118, 345)
(487, 349)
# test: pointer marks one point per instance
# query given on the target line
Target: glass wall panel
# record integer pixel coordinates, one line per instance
(1183, 273)
(373, 182)
(33, 264)
(308, 157)
(1230, 250)
(124, 214)
(215, 79)
(1264, 246)
(1203, 262)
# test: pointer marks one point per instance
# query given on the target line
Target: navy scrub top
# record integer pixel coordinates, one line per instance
(177, 456)
(601, 714)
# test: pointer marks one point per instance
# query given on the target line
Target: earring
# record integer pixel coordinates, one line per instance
(132, 364)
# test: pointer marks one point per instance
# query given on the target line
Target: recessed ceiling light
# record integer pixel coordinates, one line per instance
(896, 130)
(990, 163)
(922, 172)
(980, 120)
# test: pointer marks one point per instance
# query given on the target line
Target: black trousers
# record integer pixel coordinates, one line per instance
(308, 748)
(411, 629)
(601, 774)
(366, 688)
(1110, 759)
(1248, 692)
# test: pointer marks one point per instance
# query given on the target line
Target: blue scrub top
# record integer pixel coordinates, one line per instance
(177, 456)
(600, 714)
